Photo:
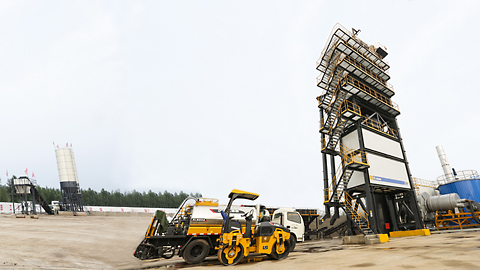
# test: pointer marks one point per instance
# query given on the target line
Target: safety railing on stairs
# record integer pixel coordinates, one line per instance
(355, 211)
(347, 106)
(333, 184)
(325, 79)
(337, 99)
(348, 157)
(335, 116)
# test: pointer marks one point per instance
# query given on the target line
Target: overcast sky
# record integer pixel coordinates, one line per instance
(208, 96)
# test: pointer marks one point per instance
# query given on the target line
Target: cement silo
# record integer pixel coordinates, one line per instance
(67, 171)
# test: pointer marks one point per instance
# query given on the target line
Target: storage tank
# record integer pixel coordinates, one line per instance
(67, 170)
(465, 183)
(466, 189)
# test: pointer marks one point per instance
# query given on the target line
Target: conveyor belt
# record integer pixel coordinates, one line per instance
(41, 201)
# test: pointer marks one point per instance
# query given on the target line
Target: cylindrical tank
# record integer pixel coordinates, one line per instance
(443, 202)
(466, 189)
(67, 170)
(447, 170)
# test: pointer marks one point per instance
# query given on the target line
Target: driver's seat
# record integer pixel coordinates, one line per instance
(248, 228)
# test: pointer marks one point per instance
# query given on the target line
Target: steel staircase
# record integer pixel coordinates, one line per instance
(337, 119)
(333, 109)
(351, 160)
(331, 90)
(342, 184)
(359, 218)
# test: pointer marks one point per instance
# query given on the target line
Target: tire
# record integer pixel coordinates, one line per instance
(275, 255)
(196, 251)
(293, 242)
(229, 255)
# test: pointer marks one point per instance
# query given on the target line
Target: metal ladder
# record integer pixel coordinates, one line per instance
(360, 220)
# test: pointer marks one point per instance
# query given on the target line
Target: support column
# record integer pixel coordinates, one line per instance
(325, 172)
(369, 192)
(412, 196)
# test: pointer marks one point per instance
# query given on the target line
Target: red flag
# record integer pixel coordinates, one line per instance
(67, 144)
(33, 174)
(70, 145)
(7, 172)
(57, 146)
(53, 143)
(26, 171)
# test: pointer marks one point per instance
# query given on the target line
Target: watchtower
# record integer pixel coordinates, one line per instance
(359, 132)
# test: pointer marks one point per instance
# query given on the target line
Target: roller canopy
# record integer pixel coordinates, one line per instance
(240, 194)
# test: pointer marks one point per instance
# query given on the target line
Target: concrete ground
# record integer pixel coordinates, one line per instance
(108, 242)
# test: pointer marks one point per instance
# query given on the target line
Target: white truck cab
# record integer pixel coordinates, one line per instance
(292, 220)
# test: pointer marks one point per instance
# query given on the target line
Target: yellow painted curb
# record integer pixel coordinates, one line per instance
(383, 238)
(421, 232)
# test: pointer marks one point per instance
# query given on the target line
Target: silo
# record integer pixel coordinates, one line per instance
(67, 171)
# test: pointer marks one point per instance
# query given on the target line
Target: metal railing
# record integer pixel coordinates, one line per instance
(350, 106)
(460, 175)
(380, 127)
(417, 182)
(325, 79)
(360, 86)
(354, 108)
(339, 32)
(367, 71)
(333, 184)
(348, 157)
(424, 183)
(359, 215)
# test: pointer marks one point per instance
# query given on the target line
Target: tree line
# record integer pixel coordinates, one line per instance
(111, 198)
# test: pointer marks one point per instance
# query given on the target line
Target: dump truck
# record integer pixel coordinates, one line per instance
(194, 230)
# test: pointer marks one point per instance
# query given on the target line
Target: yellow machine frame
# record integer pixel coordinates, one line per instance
(452, 220)
(234, 246)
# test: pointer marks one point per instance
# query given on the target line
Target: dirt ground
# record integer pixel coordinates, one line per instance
(108, 242)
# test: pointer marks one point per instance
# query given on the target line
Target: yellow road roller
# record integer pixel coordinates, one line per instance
(237, 241)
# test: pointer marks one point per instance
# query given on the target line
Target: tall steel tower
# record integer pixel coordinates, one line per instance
(359, 133)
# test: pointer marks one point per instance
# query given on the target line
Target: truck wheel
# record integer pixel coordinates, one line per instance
(196, 251)
(293, 242)
(230, 255)
(280, 256)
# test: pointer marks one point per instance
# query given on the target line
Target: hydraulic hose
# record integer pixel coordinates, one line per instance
(472, 210)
